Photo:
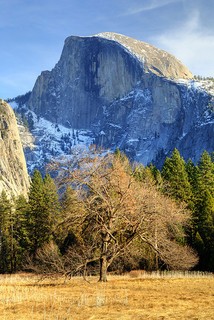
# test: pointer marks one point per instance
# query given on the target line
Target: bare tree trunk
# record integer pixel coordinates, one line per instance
(156, 248)
(103, 261)
(103, 269)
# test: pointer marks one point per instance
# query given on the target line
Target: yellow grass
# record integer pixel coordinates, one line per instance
(141, 296)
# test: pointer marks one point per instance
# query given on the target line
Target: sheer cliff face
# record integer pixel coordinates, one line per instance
(13, 172)
(91, 73)
(128, 93)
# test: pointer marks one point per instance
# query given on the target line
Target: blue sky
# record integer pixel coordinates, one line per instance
(32, 32)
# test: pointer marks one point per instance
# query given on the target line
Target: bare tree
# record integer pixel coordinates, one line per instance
(166, 229)
(116, 209)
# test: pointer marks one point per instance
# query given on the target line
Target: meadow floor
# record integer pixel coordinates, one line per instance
(141, 297)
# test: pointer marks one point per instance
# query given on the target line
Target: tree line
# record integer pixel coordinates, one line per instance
(107, 214)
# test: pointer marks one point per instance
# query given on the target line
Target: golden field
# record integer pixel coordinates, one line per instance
(134, 296)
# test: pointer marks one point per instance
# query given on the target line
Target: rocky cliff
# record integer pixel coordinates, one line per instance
(13, 172)
(129, 94)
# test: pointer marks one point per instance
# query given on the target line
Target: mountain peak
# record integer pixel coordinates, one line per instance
(127, 94)
(155, 60)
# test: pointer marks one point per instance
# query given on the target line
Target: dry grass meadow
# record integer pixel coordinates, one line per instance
(134, 296)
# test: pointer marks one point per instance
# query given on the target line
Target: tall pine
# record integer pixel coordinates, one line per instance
(51, 199)
(204, 212)
(42, 211)
(20, 231)
(6, 243)
(176, 183)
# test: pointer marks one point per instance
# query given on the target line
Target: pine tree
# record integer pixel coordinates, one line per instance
(204, 211)
(192, 172)
(20, 231)
(52, 201)
(193, 235)
(206, 173)
(6, 243)
(156, 175)
(42, 210)
(176, 183)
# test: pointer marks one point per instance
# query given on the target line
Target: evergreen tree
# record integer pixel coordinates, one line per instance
(52, 201)
(206, 173)
(20, 231)
(204, 212)
(192, 172)
(5, 239)
(212, 156)
(193, 235)
(157, 175)
(149, 174)
(42, 210)
(176, 183)
(13, 235)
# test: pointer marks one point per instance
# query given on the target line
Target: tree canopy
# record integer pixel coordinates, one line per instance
(105, 213)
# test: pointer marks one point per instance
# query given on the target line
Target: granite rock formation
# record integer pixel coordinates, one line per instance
(130, 94)
(14, 178)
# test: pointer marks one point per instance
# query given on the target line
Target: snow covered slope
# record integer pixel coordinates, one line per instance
(47, 141)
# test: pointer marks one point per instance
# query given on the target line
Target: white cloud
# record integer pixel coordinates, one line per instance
(191, 44)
